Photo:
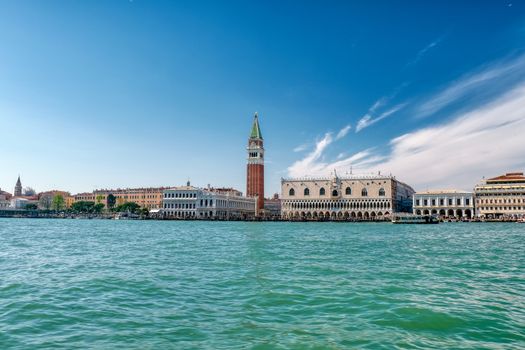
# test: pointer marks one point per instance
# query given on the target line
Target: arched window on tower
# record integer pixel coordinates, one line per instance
(348, 191)
(381, 192)
(291, 192)
(322, 191)
(306, 191)
(364, 192)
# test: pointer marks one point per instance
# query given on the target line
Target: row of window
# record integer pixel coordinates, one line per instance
(180, 195)
(336, 205)
(179, 205)
(501, 208)
(496, 201)
(450, 202)
(335, 193)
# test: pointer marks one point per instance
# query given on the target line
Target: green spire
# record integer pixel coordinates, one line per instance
(256, 130)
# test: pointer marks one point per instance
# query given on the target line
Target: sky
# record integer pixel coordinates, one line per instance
(115, 94)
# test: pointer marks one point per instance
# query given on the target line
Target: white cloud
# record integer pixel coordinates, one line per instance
(424, 51)
(343, 132)
(494, 77)
(368, 120)
(301, 148)
(485, 141)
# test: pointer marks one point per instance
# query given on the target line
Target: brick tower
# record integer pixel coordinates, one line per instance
(255, 167)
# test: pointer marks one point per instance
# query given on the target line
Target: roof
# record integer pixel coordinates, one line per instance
(512, 177)
(256, 129)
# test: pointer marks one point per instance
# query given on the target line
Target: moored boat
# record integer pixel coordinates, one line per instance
(414, 219)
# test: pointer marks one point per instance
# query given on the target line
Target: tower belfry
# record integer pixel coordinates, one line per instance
(18, 188)
(255, 166)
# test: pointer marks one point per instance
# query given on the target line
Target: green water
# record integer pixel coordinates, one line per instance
(215, 285)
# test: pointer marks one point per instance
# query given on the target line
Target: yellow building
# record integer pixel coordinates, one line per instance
(150, 198)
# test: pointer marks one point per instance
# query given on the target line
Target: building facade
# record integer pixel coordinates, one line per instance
(445, 203)
(149, 197)
(344, 198)
(255, 166)
(189, 202)
(501, 196)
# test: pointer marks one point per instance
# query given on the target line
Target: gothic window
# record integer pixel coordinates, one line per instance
(306, 192)
(381, 192)
(291, 192)
(348, 191)
(364, 192)
(322, 191)
(334, 193)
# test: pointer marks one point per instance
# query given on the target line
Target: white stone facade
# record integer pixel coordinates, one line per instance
(188, 202)
(502, 196)
(368, 197)
(444, 203)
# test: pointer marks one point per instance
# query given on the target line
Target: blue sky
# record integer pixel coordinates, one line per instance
(98, 94)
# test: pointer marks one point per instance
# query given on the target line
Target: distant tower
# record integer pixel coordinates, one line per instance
(255, 167)
(18, 188)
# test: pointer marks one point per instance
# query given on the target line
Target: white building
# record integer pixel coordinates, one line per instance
(189, 202)
(353, 197)
(445, 203)
(501, 196)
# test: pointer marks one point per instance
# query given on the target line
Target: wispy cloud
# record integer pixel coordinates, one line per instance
(424, 51)
(369, 120)
(494, 78)
(343, 132)
(301, 148)
(485, 141)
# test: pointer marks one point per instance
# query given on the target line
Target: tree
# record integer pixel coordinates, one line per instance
(31, 206)
(99, 198)
(97, 208)
(58, 202)
(28, 191)
(130, 207)
(111, 200)
(83, 207)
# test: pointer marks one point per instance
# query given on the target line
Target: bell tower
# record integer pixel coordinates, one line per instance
(18, 188)
(255, 166)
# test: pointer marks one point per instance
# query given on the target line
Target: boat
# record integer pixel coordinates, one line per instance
(521, 221)
(414, 219)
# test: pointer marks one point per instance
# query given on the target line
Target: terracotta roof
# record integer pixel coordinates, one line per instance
(508, 177)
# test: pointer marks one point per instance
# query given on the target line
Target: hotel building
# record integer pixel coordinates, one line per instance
(189, 202)
(344, 198)
(445, 203)
(502, 196)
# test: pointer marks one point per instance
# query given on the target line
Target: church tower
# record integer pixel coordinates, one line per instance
(18, 188)
(255, 167)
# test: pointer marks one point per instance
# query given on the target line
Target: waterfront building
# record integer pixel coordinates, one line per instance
(189, 202)
(84, 197)
(18, 188)
(272, 207)
(4, 199)
(367, 197)
(45, 199)
(501, 196)
(255, 166)
(146, 197)
(445, 203)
